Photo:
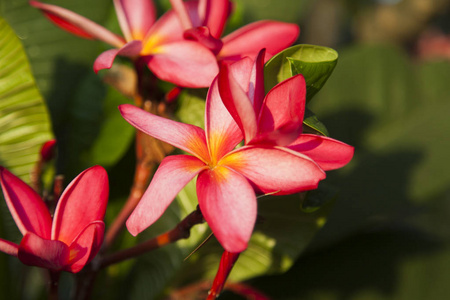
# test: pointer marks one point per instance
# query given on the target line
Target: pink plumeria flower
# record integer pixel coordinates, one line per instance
(73, 237)
(204, 21)
(276, 119)
(226, 176)
(159, 43)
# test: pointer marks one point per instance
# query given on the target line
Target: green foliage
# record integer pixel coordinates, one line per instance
(24, 120)
(282, 232)
(315, 63)
(387, 236)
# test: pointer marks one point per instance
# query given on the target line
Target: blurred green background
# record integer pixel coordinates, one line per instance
(388, 232)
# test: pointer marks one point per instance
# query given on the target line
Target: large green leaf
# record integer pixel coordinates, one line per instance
(24, 119)
(282, 232)
(316, 63)
(24, 127)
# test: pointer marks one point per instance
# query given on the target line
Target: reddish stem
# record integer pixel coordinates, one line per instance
(149, 153)
(226, 264)
(181, 231)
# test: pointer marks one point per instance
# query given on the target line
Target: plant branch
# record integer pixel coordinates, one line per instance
(181, 231)
(149, 153)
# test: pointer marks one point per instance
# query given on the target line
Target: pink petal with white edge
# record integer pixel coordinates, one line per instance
(184, 63)
(136, 17)
(39, 252)
(222, 132)
(78, 25)
(9, 247)
(172, 175)
(249, 40)
(106, 59)
(82, 202)
(27, 209)
(237, 102)
(275, 169)
(328, 153)
(187, 137)
(228, 203)
(281, 116)
(85, 246)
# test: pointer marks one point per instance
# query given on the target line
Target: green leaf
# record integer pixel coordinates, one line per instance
(282, 232)
(24, 120)
(115, 135)
(191, 107)
(316, 63)
(313, 125)
(59, 60)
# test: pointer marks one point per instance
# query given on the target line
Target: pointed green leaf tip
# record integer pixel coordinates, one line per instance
(313, 124)
(24, 120)
(316, 63)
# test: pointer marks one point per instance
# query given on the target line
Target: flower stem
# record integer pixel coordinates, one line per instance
(226, 264)
(53, 285)
(149, 153)
(181, 231)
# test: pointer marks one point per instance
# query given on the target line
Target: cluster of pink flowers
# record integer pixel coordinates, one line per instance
(185, 47)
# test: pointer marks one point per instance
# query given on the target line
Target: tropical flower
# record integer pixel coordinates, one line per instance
(204, 21)
(159, 43)
(73, 237)
(227, 176)
(276, 118)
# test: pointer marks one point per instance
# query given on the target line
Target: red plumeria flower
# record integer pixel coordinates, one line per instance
(204, 21)
(276, 119)
(226, 176)
(73, 237)
(159, 43)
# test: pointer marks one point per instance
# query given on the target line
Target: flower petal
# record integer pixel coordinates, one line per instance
(184, 63)
(222, 132)
(82, 202)
(202, 35)
(183, 16)
(249, 40)
(78, 25)
(187, 137)
(106, 59)
(39, 252)
(328, 153)
(228, 203)
(85, 246)
(172, 175)
(27, 209)
(281, 115)
(275, 169)
(9, 247)
(214, 14)
(256, 91)
(167, 29)
(136, 17)
(237, 102)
